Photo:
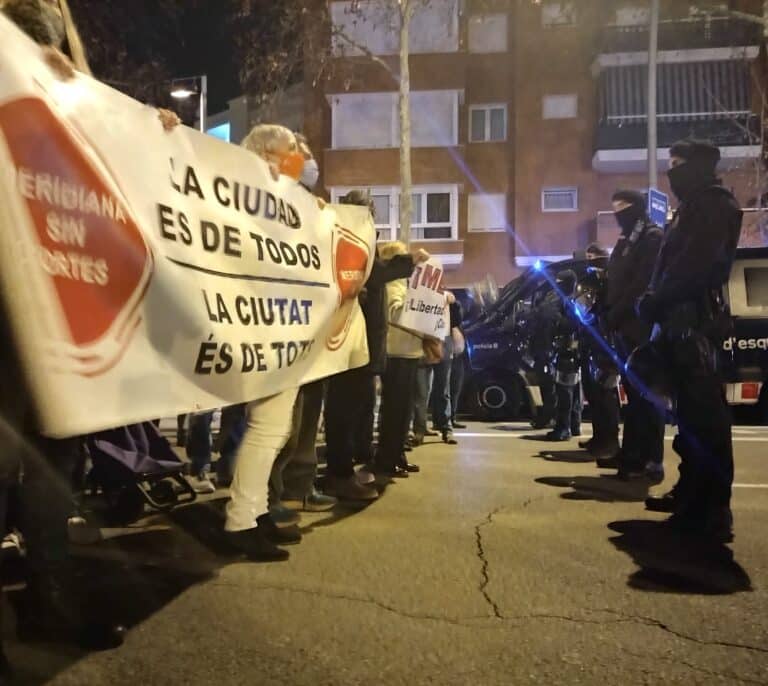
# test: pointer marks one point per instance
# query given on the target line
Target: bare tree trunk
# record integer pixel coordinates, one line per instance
(406, 182)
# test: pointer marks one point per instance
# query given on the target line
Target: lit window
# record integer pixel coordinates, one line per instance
(371, 120)
(559, 106)
(487, 123)
(487, 212)
(559, 200)
(632, 16)
(561, 13)
(487, 33)
(374, 24)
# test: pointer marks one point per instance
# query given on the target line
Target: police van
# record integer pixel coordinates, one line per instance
(502, 379)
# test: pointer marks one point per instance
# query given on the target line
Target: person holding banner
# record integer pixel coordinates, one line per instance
(351, 397)
(249, 526)
(55, 604)
(404, 350)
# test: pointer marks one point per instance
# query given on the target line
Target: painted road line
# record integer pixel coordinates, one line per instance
(535, 437)
(750, 485)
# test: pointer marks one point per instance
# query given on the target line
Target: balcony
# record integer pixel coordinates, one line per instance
(684, 34)
(621, 147)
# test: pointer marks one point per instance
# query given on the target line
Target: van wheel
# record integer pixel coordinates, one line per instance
(499, 397)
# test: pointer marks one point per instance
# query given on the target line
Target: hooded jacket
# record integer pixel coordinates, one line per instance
(629, 272)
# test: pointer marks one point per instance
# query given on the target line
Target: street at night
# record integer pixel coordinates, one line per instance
(506, 561)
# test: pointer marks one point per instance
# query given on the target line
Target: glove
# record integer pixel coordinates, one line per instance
(647, 307)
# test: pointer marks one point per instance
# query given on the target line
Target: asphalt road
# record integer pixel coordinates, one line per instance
(506, 561)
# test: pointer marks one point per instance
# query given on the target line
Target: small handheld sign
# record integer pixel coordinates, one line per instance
(658, 206)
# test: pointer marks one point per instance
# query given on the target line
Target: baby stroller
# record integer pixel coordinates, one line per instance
(134, 465)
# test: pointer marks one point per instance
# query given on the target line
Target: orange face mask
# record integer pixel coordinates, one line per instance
(292, 165)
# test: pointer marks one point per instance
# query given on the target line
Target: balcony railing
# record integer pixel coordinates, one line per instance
(685, 34)
(735, 131)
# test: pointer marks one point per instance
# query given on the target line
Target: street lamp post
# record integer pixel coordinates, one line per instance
(180, 91)
(653, 53)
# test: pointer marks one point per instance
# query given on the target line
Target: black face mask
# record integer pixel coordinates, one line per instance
(685, 179)
(628, 218)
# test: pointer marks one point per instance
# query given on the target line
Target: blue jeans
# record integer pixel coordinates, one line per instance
(199, 444)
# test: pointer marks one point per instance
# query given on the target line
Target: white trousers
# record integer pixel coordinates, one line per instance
(268, 430)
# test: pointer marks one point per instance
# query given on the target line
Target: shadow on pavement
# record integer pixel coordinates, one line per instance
(671, 562)
(128, 579)
(604, 488)
(572, 456)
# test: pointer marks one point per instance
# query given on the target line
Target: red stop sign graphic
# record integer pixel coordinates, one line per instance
(90, 247)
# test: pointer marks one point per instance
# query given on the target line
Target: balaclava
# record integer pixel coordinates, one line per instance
(698, 170)
(629, 216)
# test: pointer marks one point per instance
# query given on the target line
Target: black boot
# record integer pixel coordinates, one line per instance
(288, 535)
(256, 545)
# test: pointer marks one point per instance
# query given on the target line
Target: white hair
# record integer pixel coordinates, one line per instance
(264, 138)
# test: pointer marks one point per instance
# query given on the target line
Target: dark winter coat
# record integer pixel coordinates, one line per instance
(696, 254)
(629, 272)
(374, 305)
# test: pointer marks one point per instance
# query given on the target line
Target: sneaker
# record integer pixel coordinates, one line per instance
(314, 502)
(256, 546)
(448, 437)
(201, 483)
(558, 435)
(283, 517)
(349, 488)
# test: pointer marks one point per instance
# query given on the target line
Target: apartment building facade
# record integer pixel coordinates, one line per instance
(526, 116)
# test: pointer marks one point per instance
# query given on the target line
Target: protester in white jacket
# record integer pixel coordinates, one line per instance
(404, 350)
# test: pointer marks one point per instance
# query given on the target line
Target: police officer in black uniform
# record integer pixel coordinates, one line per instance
(599, 374)
(629, 272)
(685, 300)
(567, 361)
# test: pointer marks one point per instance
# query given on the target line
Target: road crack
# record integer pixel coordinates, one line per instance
(459, 621)
(653, 622)
(485, 565)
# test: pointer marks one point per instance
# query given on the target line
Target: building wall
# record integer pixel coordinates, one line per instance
(538, 152)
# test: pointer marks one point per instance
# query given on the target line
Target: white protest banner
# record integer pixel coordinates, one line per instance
(425, 312)
(148, 273)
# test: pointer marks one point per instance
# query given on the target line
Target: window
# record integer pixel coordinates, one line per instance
(487, 33)
(558, 14)
(375, 24)
(370, 120)
(487, 212)
(632, 16)
(366, 23)
(560, 106)
(435, 27)
(559, 200)
(756, 282)
(487, 123)
(434, 215)
(434, 118)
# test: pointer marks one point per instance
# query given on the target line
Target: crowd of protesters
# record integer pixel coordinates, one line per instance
(267, 447)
